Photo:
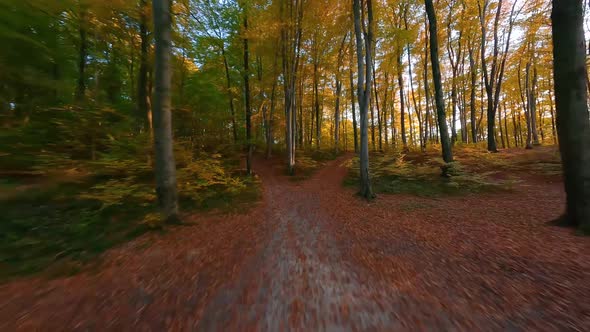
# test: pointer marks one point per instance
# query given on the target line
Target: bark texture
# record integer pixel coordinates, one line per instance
(165, 164)
(447, 152)
(573, 126)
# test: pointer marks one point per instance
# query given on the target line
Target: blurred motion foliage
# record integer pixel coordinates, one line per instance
(76, 171)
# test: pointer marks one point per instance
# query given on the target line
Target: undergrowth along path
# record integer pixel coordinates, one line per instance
(313, 256)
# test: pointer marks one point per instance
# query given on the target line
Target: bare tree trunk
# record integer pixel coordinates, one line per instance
(515, 129)
(353, 103)
(447, 152)
(533, 106)
(402, 104)
(142, 84)
(415, 103)
(291, 47)
(528, 113)
(82, 54)
(247, 94)
(376, 95)
(165, 164)
(230, 96)
(573, 126)
(371, 106)
(426, 89)
(500, 127)
(338, 92)
(489, 77)
(384, 112)
(552, 111)
(269, 135)
(393, 128)
(364, 87)
(317, 105)
(473, 70)
(506, 125)
(454, 57)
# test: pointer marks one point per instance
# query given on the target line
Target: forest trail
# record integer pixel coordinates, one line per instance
(312, 256)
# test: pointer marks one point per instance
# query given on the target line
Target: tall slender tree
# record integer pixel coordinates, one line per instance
(291, 39)
(363, 29)
(247, 91)
(447, 152)
(165, 164)
(571, 97)
(143, 104)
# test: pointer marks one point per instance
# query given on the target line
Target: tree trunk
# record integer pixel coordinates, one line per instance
(142, 80)
(426, 89)
(165, 164)
(269, 135)
(533, 107)
(393, 128)
(338, 93)
(337, 116)
(82, 54)
(502, 133)
(415, 103)
(573, 126)
(379, 126)
(552, 111)
(472, 109)
(230, 96)
(353, 104)
(317, 105)
(447, 152)
(402, 104)
(384, 112)
(506, 125)
(291, 46)
(364, 89)
(247, 96)
(371, 106)
(528, 108)
(515, 129)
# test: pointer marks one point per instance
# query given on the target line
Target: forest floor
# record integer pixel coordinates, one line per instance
(313, 256)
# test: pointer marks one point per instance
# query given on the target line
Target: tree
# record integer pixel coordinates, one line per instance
(247, 93)
(573, 126)
(352, 101)
(447, 152)
(83, 52)
(165, 164)
(143, 104)
(494, 76)
(364, 36)
(338, 92)
(291, 31)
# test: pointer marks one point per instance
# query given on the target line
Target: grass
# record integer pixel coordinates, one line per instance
(58, 229)
(420, 174)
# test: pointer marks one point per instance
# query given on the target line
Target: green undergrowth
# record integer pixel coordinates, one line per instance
(393, 173)
(70, 223)
(542, 160)
(82, 191)
(309, 161)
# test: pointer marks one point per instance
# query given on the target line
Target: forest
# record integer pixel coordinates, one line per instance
(300, 165)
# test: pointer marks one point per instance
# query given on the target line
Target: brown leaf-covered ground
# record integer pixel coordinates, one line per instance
(313, 256)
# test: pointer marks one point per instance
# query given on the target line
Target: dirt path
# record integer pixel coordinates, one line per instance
(311, 256)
